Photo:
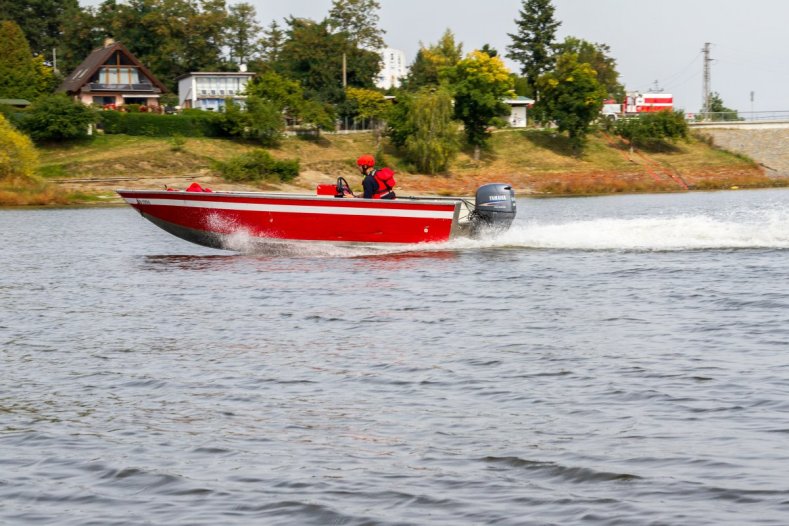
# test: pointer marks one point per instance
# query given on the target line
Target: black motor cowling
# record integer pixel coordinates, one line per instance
(494, 208)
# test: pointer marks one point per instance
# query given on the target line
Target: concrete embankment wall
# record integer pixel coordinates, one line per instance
(768, 146)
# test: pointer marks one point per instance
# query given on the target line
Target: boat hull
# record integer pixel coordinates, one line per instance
(210, 218)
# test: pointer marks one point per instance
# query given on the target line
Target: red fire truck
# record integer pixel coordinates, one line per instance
(637, 104)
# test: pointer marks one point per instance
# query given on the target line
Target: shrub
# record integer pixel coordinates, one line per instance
(57, 117)
(18, 156)
(259, 165)
(188, 124)
(653, 128)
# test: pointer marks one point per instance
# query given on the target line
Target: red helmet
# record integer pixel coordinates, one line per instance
(366, 160)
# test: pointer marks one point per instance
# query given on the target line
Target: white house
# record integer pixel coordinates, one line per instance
(519, 109)
(393, 68)
(208, 90)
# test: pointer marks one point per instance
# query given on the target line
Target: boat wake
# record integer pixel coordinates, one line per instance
(686, 232)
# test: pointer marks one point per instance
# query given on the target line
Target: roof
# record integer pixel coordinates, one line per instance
(15, 102)
(217, 74)
(83, 73)
(514, 101)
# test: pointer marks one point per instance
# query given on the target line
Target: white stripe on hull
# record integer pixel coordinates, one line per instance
(296, 209)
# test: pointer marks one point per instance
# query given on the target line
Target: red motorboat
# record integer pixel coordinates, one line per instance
(212, 218)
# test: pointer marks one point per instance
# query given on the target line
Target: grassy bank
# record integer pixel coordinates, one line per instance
(535, 162)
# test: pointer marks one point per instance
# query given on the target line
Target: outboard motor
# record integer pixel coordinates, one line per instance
(494, 209)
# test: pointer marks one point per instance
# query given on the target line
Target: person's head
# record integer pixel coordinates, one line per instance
(365, 163)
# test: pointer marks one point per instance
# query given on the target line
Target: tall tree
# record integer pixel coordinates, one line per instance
(271, 43)
(314, 56)
(82, 32)
(533, 44)
(359, 20)
(41, 21)
(481, 82)
(242, 32)
(20, 76)
(434, 61)
(599, 57)
(433, 141)
(572, 97)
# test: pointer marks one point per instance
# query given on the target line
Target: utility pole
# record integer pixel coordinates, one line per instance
(344, 71)
(706, 94)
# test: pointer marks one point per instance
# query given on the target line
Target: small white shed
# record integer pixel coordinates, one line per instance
(519, 111)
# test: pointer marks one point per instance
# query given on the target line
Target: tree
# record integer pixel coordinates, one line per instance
(597, 56)
(572, 97)
(265, 121)
(57, 117)
(271, 43)
(432, 62)
(287, 98)
(481, 82)
(242, 32)
(533, 43)
(359, 20)
(18, 156)
(423, 124)
(718, 111)
(21, 76)
(41, 21)
(652, 128)
(313, 56)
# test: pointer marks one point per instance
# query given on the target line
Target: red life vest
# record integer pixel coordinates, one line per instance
(386, 182)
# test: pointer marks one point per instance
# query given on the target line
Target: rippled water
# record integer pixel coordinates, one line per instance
(617, 360)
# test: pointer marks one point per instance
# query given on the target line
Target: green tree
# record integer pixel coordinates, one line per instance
(242, 32)
(431, 135)
(572, 97)
(370, 104)
(271, 43)
(533, 44)
(313, 56)
(599, 57)
(56, 118)
(265, 123)
(718, 111)
(653, 128)
(359, 20)
(481, 82)
(433, 62)
(41, 21)
(18, 156)
(21, 76)
(171, 37)
(287, 97)
(82, 32)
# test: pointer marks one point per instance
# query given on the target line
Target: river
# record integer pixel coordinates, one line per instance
(609, 360)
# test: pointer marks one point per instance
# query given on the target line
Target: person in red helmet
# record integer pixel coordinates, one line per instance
(375, 187)
(366, 164)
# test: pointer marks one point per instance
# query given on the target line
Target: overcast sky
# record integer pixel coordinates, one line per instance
(652, 41)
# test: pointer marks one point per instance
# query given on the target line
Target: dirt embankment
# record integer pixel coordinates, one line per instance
(534, 162)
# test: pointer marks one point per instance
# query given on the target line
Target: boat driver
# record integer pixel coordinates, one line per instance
(366, 164)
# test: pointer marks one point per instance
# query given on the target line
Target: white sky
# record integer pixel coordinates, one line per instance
(655, 40)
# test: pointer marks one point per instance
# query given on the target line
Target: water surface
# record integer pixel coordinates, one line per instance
(615, 360)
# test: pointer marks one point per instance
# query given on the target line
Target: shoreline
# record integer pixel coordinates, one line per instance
(535, 163)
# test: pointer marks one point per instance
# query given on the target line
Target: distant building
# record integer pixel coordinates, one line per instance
(393, 68)
(519, 107)
(113, 76)
(209, 90)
